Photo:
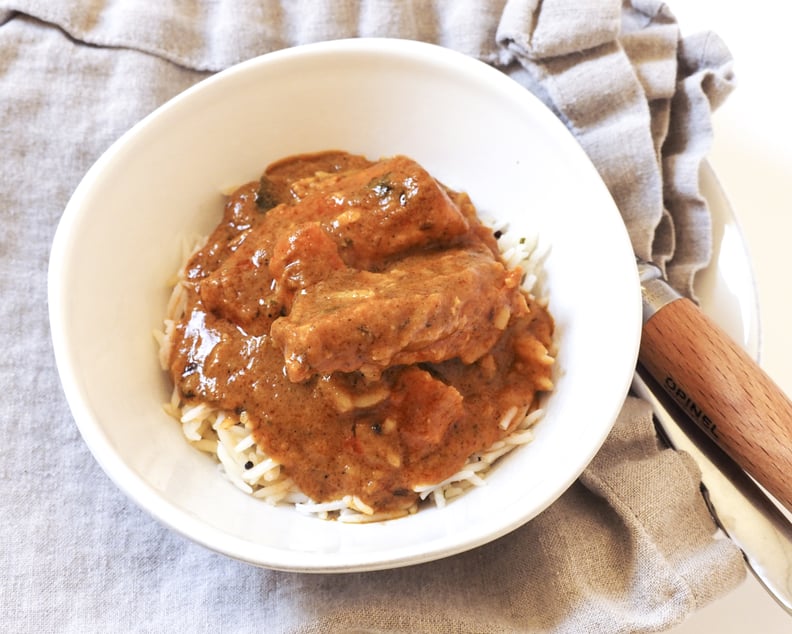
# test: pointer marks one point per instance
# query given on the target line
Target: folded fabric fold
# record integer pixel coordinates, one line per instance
(629, 547)
(705, 79)
(540, 29)
(616, 96)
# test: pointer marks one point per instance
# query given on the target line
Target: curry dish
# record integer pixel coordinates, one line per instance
(358, 318)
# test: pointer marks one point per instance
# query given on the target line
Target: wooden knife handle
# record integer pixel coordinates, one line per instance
(723, 390)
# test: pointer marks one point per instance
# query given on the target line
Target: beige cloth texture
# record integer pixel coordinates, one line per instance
(629, 547)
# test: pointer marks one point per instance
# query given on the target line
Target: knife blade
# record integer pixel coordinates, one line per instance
(747, 515)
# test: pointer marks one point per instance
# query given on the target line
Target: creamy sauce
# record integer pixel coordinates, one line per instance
(359, 318)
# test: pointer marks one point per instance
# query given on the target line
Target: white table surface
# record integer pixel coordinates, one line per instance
(752, 156)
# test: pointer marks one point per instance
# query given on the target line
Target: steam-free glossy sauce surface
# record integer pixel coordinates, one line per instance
(360, 316)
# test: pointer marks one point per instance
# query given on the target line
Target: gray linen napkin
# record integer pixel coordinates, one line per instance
(628, 548)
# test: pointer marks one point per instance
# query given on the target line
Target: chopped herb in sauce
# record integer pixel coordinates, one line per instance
(266, 197)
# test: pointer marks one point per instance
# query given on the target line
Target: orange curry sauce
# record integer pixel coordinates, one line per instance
(361, 316)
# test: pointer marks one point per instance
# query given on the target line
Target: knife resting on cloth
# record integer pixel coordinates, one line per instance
(692, 372)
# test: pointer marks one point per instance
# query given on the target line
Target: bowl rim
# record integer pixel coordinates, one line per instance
(142, 492)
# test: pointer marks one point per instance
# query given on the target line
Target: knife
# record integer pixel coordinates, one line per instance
(718, 385)
(711, 400)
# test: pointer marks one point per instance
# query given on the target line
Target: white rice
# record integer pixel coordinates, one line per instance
(227, 438)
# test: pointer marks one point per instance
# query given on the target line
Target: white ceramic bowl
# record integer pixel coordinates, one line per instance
(473, 128)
